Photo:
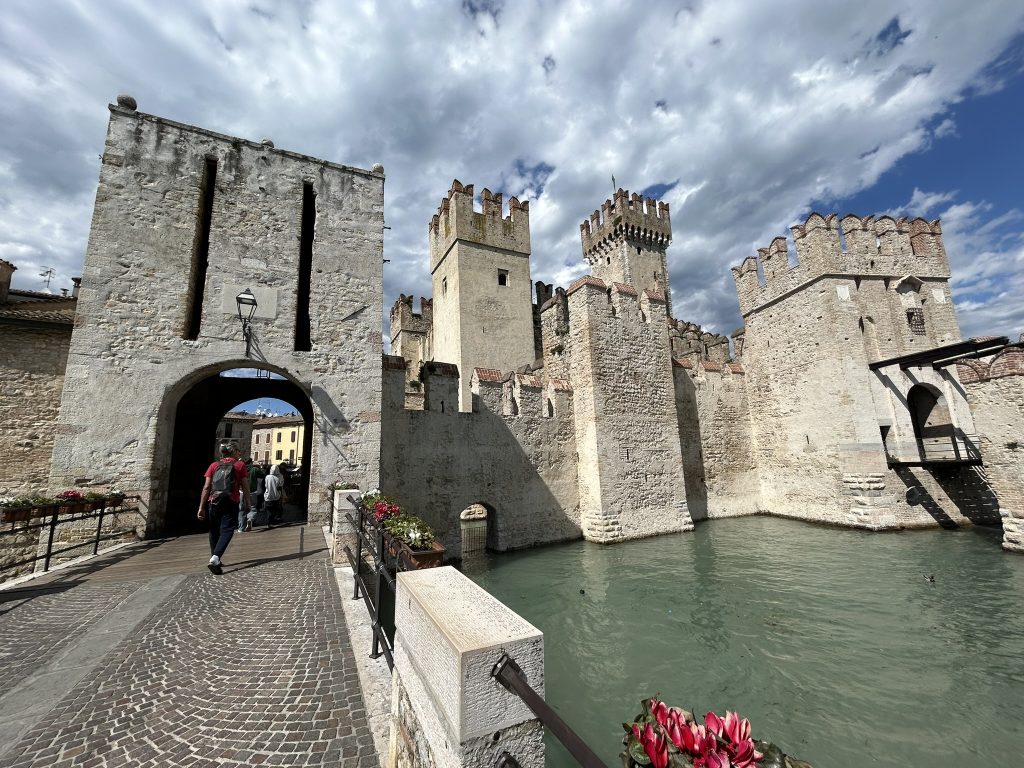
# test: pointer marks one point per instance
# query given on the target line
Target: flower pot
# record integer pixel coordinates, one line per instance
(426, 558)
(16, 515)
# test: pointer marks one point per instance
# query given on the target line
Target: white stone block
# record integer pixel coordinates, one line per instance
(450, 634)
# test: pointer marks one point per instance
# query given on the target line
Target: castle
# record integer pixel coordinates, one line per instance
(848, 397)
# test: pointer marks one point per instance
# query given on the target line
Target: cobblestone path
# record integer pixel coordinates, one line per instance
(250, 668)
(32, 630)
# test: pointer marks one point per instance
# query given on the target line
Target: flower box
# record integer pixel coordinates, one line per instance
(423, 558)
(16, 515)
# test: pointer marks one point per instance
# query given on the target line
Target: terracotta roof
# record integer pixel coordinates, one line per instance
(489, 374)
(586, 280)
(736, 368)
(682, 362)
(526, 380)
(561, 385)
(623, 288)
(658, 296)
(241, 416)
(60, 312)
(710, 366)
(277, 421)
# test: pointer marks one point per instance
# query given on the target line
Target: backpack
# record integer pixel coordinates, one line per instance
(223, 480)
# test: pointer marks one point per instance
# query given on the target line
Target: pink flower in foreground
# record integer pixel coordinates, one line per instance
(654, 744)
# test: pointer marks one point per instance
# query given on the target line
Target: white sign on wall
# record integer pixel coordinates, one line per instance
(939, 295)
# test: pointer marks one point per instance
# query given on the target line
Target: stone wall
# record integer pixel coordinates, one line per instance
(715, 439)
(615, 350)
(520, 466)
(32, 363)
(995, 389)
(132, 337)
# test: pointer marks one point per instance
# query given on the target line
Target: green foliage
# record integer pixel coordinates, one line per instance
(410, 530)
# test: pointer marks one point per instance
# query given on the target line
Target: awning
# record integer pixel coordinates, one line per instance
(940, 357)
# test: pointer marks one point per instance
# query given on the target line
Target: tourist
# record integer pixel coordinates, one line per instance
(273, 495)
(256, 475)
(226, 482)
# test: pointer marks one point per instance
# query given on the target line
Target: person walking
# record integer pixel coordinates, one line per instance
(273, 494)
(256, 476)
(226, 482)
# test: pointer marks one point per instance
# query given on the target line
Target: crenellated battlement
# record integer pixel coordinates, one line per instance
(690, 341)
(632, 217)
(456, 219)
(403, 318)
(852, 246)
(520, 395)
(618, 300)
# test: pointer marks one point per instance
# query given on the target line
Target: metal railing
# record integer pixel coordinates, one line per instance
(948, 449)
(512, 679)
(51, 520)
(386, 560)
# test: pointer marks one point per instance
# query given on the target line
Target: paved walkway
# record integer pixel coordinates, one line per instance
(145, 658)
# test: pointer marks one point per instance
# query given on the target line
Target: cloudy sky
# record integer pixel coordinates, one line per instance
(744, 116)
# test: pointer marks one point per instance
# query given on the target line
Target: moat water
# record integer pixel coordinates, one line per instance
(832, 642)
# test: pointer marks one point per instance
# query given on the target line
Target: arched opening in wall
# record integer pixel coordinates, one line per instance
(266, 415)
(929, 413)
(549, 408)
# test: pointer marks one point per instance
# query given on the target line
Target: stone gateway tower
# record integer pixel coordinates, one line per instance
(185, 220)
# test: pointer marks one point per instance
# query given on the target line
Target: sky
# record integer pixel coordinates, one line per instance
(743, 116)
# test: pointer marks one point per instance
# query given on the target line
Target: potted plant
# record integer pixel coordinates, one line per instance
(70, 501)
(408, 532)
(16, 508)
(95, 500)
(669, 737)
(416, 539)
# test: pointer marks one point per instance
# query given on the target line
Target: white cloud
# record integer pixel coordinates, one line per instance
(757, 110)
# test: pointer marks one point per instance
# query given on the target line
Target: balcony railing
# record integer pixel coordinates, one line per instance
(948, 449)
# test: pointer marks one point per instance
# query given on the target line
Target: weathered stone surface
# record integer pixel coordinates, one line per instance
(131, 338)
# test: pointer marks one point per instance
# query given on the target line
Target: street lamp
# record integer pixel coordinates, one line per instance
(246, 309)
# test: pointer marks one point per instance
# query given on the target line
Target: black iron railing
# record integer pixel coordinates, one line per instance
(385, 559)
(947, 449)
(511, 677)
(50, 521)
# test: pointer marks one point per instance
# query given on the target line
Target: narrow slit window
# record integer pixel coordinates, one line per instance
(200, 252)
(303, 341)
(503, 277)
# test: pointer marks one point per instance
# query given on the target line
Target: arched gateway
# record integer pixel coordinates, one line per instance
(190, 229)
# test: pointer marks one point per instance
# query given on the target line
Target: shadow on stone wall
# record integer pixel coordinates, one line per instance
(965, 487)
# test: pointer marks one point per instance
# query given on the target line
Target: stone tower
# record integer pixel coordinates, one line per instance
(833, 329)
(625, 242)
(480, 267)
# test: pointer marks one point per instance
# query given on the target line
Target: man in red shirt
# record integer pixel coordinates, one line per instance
(226, 482)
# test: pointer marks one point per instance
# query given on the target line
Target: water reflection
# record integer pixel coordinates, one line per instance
(832, 642)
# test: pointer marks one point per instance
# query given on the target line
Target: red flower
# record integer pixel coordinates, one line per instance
(654, 743)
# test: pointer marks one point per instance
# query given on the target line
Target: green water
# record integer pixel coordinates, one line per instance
(830, 641)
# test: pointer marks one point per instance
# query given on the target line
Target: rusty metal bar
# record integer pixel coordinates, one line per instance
(511, 677)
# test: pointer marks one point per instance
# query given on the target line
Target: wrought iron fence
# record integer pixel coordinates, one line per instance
(386, 559)
(50, 520)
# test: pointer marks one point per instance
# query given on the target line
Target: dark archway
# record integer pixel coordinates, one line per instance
(929, 412)
(195, 424)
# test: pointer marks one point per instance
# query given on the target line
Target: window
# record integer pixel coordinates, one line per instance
(291, 456)
(915, 319)
(227, 429)
(257, 439)
(277, 455)
(293, 437)
(279, 439)
(502, 277)
(444, 286)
